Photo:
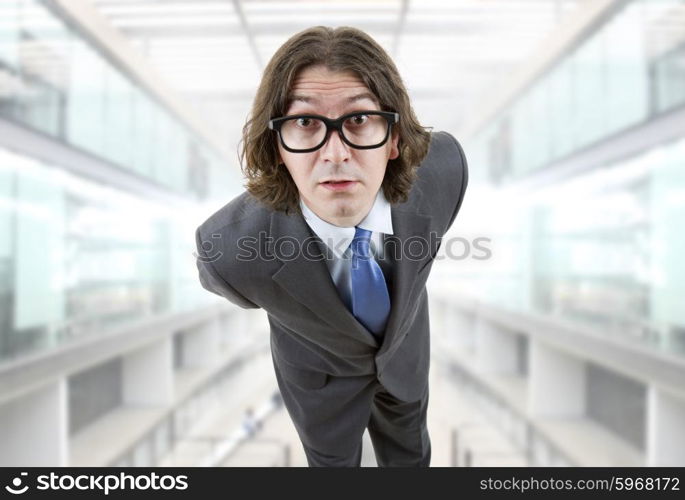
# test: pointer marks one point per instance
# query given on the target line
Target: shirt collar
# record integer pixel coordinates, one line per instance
(379, 219)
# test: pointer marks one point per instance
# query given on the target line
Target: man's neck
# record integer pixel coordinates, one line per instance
(349, 221)
(344, 221)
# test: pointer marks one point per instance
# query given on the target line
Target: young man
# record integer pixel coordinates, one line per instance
(347, 199)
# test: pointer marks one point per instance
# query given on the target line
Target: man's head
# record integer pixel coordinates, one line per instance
(331, 73)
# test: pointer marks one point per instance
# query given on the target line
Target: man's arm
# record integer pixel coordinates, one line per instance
(214, 283)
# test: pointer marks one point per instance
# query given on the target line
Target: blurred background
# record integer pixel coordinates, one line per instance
(563, 344)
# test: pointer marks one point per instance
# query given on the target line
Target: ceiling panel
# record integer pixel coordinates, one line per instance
(448, 51)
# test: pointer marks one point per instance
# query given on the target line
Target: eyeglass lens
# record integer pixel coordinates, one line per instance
(360, 130)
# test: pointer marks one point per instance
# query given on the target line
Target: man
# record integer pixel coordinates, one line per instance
(346, 201)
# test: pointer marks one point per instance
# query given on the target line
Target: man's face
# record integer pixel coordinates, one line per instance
(316, 90)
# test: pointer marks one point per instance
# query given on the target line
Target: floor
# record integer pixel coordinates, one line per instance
(460, 436)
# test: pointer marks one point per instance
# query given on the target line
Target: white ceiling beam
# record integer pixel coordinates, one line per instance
(237, 4)
(290, 28)
(401, 21)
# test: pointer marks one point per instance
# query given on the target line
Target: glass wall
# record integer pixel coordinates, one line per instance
(627, 72)
(53, 80)
(604, 248)
(77, 257)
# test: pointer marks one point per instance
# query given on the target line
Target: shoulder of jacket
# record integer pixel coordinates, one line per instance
(443, 153)
(243, 210)
(442, 145)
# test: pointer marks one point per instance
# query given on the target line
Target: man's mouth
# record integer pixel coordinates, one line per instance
(338, 184)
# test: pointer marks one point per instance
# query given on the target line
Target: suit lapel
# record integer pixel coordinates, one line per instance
(306, 278)
(408, 226)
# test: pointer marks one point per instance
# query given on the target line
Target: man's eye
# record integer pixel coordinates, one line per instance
(359, 119)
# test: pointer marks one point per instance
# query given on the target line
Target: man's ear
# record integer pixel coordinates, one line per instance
(394, 145)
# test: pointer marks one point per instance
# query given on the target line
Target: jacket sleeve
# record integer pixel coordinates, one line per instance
(464, 181)
(214, 283)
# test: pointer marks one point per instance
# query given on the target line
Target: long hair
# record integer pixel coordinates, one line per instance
(338, 49)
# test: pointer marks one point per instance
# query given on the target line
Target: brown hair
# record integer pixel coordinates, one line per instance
(338, 49)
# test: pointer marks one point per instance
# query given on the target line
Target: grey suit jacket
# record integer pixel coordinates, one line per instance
(256, 257)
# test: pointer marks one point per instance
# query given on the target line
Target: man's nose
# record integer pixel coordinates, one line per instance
(334, 149)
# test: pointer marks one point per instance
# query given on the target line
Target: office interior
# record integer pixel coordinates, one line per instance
(557, 301)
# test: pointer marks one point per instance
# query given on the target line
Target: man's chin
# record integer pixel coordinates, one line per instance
(348, 212)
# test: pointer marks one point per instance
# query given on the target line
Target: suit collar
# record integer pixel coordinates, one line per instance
(337, 238)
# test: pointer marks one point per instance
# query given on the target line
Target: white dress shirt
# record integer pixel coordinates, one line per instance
(338, 239)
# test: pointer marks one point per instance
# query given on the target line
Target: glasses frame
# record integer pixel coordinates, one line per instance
(334, 124)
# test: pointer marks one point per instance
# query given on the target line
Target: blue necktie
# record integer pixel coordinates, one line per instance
(370, 299)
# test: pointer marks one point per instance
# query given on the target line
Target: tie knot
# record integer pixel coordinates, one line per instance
(360, 243)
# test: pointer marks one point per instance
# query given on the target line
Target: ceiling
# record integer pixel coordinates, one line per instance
(449, 52)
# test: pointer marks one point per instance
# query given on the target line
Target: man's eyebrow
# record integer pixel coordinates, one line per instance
(301, 98)
(360, 97)
(354, 98)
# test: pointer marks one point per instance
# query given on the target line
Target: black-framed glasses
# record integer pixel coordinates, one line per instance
(360, 130)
